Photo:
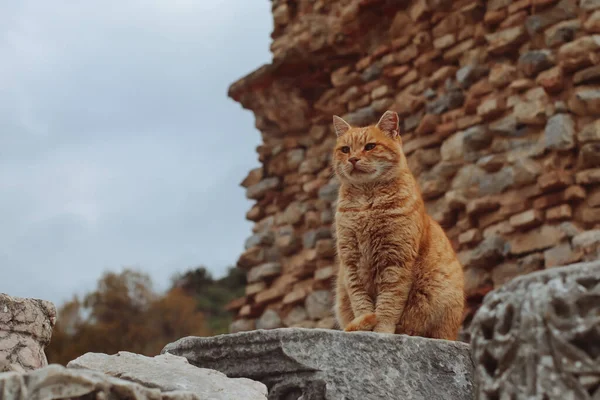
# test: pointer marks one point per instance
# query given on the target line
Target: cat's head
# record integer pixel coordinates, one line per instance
(367, 154)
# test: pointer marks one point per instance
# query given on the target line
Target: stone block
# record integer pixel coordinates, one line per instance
(536, 239)
(329, 364)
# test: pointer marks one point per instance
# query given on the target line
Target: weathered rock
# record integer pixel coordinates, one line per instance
(362, 117)
(319, 304)
(169, 373)
(505, 40)
(488, 253)
(25, 329)
(585, 100)
(265, 238)
(264, 271)
(56, 382)
(260, 189)
(537, 336)
(469, 74)
(448, 101)
(329, 192)
(502, 74)
(535, 61)
(269, 320)
(589, 155)
(296, 315)
(328, 364)
(242, 325)
(587, 75)
(565, 9)
(560, 132)
(507, 271)
(562, 33)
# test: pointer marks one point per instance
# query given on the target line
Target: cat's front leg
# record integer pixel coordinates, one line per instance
(362, 304)
(394, 287)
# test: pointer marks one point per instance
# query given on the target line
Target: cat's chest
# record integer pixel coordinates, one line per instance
(370, 232)
(369, 229)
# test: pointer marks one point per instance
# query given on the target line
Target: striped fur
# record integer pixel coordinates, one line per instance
(398, 271)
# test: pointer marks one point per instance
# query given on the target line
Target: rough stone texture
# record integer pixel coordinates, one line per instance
(57, 382)
(25, 329)
(169, 373)
(538, 336)
(321, 364)
(496, 97)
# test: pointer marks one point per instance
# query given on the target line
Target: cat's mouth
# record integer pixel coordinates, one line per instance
(358, 171)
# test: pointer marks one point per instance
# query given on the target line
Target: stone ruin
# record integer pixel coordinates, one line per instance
(500, 107)
(25, 329)
(536, 338)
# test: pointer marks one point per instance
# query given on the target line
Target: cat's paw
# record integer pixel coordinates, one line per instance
(365, 322)
(384, 328)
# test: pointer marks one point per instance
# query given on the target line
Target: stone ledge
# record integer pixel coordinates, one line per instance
(328, 364)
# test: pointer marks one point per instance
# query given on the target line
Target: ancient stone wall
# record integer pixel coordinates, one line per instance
(499, 103)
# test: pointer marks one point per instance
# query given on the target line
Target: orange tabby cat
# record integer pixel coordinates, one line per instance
(398, 271)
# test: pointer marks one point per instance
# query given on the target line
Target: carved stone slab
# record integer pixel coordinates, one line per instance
(538, 337)
(318, 364)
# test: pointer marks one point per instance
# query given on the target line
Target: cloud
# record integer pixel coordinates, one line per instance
(118, 143)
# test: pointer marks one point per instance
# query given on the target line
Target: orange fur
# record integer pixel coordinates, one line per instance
(396, 262)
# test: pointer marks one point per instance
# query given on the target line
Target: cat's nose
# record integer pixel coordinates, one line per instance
(354, 160)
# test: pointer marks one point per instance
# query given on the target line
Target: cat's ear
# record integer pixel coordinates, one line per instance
(389, 124)
(340, 126)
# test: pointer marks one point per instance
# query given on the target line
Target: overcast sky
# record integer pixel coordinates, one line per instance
(118, 143)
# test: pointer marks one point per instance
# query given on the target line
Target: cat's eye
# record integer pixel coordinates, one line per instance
(345, 149)
(370, 146)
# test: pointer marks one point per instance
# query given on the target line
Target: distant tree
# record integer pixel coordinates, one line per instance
(212, 295)
(123, 313)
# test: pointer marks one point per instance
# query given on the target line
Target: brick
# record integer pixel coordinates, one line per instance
(482, 205)
(528, 219)
(254, 288)
(575, 193)
(322, 274)
(555, 180)
(505, 40)
(588, 177)
(295, 296)
(552, 80)
(264, 271)
(505, 272)
(562, 254)
(470, 237)
(559, 213)
(593, 198)
(445, 41)
(536, 239)
(518, 6)
(494, 17)
(235, 304)
(589, 215)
